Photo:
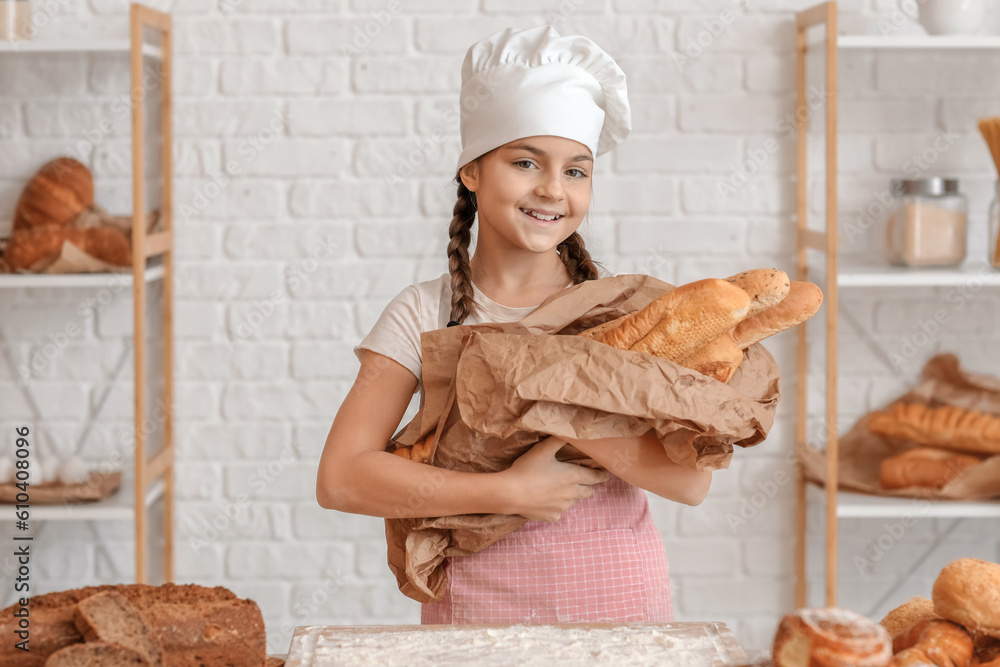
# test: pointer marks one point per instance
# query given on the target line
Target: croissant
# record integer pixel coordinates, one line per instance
(946, 426)
(933, 642)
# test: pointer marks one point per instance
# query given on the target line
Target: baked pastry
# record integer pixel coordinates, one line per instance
(830, 637)
(25, 247)
(109, 618)
(682, 320)
(912, 611)
(934, 642)
(96, 653)
(946, 426)
(801, 303)
(967, 592)
(56, 194)
(765, 287)
(925, 467)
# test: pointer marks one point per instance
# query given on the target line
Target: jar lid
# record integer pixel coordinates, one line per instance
(932, 186)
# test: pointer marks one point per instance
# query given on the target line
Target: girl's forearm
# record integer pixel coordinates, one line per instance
(642, 461)
(385, 485)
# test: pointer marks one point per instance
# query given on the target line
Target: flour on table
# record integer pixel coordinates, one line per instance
(526, 645)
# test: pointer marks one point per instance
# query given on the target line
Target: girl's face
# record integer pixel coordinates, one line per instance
(544, 174)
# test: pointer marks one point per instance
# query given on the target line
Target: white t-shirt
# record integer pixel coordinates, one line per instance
(423, 307)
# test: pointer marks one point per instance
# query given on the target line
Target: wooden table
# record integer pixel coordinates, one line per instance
(586, 644)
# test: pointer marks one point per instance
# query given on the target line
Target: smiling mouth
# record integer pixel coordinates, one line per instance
(547, 219)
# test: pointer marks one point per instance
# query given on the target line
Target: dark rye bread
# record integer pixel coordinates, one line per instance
(52, 627)
(111, 619)
(96, 653)
(198, 625)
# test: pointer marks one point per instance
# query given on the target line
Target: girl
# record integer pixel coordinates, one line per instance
(537, 108)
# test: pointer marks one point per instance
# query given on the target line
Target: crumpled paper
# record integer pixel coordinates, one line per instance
(861, 452)
(493, 390)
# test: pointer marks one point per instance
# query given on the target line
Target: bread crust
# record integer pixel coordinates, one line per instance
(694, 314)
(945, 426)
(967, 592)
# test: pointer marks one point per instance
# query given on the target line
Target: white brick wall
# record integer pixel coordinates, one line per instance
(290, 119)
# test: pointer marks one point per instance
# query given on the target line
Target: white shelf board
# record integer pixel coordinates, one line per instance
(77, 46)
(857, 275)
(860, 505)
(91, 280)
(918, 42)
(118, 507)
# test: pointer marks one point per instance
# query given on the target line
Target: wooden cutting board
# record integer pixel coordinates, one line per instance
(585, 644)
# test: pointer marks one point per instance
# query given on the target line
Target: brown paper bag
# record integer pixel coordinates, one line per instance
(861, 452)
(491, 391)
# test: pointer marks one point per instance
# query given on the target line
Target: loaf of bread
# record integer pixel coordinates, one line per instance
(830, 637)
(112, 619)
(967, 592)
(765, 287)
(945, 426)
(933, 642)
(94, 654)
(801, 303)
(196, 625)
(926, 467)
(912, 611)
(694, 314)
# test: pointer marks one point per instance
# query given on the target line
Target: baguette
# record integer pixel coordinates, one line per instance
(926, 467)
(765, 287)
(718, 359)
(801, 303)
(946, 426)
(693, 315)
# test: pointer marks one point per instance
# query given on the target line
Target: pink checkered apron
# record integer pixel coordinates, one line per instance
(602, 561)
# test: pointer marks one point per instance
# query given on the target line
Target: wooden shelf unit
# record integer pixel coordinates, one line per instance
(852, 275)
(152, 478)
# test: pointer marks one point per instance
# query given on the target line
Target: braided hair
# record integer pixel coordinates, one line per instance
(574, 254)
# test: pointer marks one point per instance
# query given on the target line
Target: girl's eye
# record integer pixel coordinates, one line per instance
(582, 173)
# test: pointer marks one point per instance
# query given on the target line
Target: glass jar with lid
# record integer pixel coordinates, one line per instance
(926, 224)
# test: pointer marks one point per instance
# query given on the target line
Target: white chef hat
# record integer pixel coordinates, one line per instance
(526, 83)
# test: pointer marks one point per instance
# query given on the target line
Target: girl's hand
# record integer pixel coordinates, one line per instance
(542, 487)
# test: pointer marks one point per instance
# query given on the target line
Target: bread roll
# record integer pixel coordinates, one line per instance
(967, 592)
(718, 359)
(693, 314)
(830, 637)
(765, 287)
(912, 611)
(925, 467)
(803, 301)
(945, 426)
(937, 642)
